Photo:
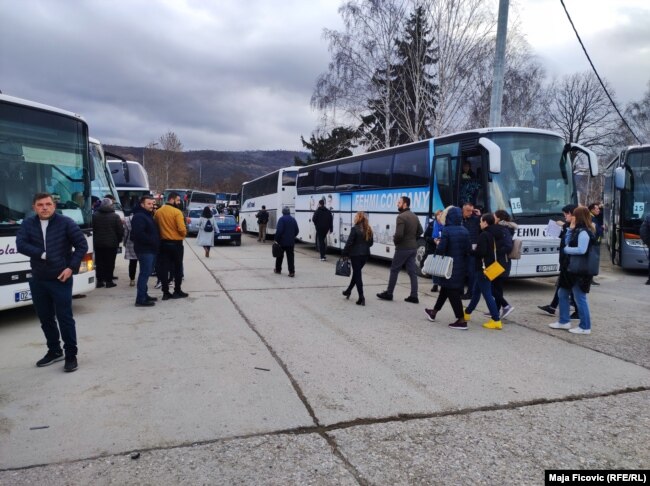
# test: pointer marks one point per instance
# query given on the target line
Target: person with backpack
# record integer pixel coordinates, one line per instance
(262, 220)
(207, 229)
(644, 232)
(324, 222)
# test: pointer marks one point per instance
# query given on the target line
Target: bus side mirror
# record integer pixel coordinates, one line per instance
(591, 156)
(494, 152)
(619, 178)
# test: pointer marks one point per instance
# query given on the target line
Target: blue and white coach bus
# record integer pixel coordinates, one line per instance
(275, 191)
(626, 200)
(42, 149)
(527, 172)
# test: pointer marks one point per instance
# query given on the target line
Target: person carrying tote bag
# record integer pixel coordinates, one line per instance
(455, 243)
(488, 240)
(357, 248)
(579, 240)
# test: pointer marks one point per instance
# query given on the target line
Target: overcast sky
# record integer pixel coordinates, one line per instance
(239, 74)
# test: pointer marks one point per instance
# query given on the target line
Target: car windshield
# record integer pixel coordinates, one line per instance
(195, 213)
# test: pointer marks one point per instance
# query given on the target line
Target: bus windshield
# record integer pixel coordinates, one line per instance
(635, 202)
(41, 152)
(103, 183)
(535, 178)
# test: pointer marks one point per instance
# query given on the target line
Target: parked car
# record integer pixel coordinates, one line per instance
(192, 221)
(229, 230)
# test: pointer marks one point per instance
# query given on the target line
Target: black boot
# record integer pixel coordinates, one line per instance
(347, 293)
(361, 301)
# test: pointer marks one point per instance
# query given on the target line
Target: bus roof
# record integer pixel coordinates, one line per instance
(293, 167)
(441, 138)
(40, 106)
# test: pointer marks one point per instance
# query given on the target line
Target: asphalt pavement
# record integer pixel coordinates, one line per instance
(258, 378)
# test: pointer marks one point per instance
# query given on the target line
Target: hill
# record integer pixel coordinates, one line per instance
(211, 170)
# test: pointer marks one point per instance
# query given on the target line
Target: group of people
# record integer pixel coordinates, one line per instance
(56, 247)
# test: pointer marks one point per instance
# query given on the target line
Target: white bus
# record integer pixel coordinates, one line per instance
(527, 172)
(103, 183)
(131, 181)
(42, 149)
(275, 191)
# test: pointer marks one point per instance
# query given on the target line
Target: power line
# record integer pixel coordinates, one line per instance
(598, 76)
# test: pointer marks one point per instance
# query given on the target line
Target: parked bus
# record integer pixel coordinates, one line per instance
(42, 149)
(275, 191)
(103, 183)
(626, 200)
(201, 199)
(527, 172)
(131, 181)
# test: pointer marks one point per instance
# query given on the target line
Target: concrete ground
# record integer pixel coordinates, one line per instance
(258, 378)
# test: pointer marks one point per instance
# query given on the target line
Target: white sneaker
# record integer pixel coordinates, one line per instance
(506, 311)
(158, 285)
(579, 330)
(557, 325)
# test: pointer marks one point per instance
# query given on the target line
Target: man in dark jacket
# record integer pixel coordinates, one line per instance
(285, 235)
(262, 220)
(146, 242)
(108, 231)
(324, 223)
(471, 221)
(56, 247)
(407, 230)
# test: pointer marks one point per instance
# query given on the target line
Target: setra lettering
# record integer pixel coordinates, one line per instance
(9, 250)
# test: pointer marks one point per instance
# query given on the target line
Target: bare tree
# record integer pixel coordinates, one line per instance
(580, 110)
(172, 159)
(464, 31)
(364, 51)
(638, 116)
(525, 95)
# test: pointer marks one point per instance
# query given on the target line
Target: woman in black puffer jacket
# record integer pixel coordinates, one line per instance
(454, 242)
(489, 240)
(357, 248)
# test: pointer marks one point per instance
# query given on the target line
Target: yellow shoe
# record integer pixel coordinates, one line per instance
(492, 324)
(466, 316)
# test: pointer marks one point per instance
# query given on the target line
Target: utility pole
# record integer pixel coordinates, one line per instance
(499, 64)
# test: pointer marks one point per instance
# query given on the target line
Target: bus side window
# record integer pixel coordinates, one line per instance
(444, 186)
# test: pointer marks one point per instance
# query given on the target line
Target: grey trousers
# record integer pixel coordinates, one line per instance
(404, 258)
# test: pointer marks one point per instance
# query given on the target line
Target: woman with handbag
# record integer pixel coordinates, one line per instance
(454, 242)
(486, 259)
(580, 240)
(207, 228)
(357, 248)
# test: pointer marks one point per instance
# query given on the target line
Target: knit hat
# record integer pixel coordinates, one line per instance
(106, 203)
(285, 210)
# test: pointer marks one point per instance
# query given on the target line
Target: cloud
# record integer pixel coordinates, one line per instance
(222, 75)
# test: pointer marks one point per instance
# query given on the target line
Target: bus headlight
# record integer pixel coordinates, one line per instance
(87, 264)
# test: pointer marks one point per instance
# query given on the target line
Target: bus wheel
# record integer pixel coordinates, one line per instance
(243, 226)
(420, 256)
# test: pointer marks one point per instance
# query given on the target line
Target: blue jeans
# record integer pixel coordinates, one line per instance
(483, 286)
(400, 259)
(470, 273)
(53, 298)
(147, 261)
(581, 304)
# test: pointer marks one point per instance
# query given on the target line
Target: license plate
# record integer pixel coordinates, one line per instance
(547, 268)
(226, 237)
(22, 295)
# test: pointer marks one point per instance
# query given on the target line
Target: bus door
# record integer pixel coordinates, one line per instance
(472, 180)
(344, 216)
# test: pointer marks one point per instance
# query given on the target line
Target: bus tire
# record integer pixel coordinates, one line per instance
(243, 226)
(420, 255)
